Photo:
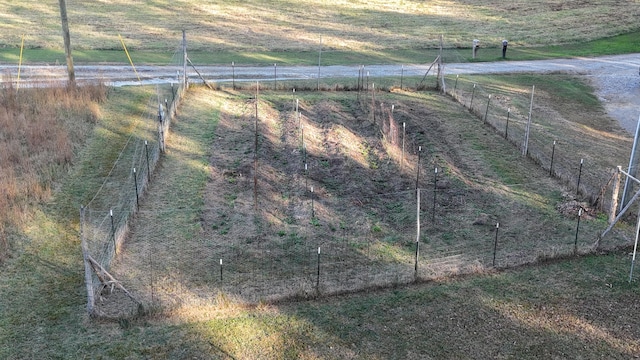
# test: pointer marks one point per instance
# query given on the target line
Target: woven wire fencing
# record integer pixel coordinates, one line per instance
(105, 220)
(386, 240)
(328, 244)
(558, 145)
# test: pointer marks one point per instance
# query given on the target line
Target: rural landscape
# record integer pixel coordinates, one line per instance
(268, 216)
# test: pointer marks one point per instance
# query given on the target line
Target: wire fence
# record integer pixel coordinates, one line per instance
(106, 218)
(315, 257)
(544, 135)
(330, 245)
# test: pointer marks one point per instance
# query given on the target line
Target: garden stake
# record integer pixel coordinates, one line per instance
(553, 152)
(113, 231)
(135, 181)
(404, 132)
(575, 244)
(506, 128)
(318, 275)
(435, 190)
(415, 268)
(472, 94)
(579, 176)
(418, 166)
(495, 245)
(146, 150)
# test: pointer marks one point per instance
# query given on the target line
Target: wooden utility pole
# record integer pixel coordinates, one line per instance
(67, 41)
(184, 58)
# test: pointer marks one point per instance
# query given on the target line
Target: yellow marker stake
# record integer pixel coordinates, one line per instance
(129, 57)
(20, 63)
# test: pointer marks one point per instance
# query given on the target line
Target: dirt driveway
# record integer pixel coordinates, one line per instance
(616, 78)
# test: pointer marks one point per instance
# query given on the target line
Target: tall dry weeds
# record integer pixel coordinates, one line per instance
(40, 130)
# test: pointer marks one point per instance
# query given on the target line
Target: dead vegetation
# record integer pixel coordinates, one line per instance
(41, 129)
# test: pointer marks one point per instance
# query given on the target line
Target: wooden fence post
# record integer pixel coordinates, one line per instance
(614, 195)
(525, 145)
(88, 274)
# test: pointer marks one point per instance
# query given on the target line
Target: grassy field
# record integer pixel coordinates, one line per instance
(286, 32)
(566, 308)
(561, 309)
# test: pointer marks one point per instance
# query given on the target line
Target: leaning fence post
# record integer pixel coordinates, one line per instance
(635, 249)
(486, 112)
(614, 195)
(525, 145)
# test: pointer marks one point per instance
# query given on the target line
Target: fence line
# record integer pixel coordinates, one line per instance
(375, 248)
(103, 231)
(506, 113)
(309, 259)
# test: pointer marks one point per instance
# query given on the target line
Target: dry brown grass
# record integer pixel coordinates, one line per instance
(284, 25)
(41, 129)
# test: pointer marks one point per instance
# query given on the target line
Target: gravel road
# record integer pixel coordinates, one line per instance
(615, 78)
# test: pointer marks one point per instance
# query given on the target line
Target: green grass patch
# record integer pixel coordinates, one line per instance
(622, 44)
